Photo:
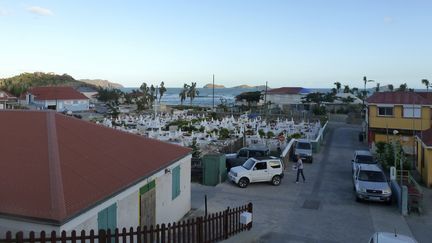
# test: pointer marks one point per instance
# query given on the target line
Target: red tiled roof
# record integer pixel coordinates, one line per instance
(5, 96)
(285, 90)
(417, 98)
(53, 167)
(56, 93)
(426, 137)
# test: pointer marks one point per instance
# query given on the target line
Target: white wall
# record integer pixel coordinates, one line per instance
(167, 210)
(285, 99)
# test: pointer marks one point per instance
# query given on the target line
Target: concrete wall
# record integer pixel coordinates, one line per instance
(426, 170)
(287, 99)
(70, 105)
(167, 210)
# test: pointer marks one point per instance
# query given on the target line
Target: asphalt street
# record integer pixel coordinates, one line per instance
(321, 210)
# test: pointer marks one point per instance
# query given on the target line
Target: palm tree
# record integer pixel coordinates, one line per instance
(162, 90)
(346, 89)
(183, 93)
(426, 83)
(338, 86)
(354, 90)
(403, 87)
(390, 87)
(192, 92)
(144, 100)
(377, 88)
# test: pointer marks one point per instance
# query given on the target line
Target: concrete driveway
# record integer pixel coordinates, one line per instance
(321, 210)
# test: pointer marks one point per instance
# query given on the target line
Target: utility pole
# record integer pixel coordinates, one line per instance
(213, 93)
(265, 99)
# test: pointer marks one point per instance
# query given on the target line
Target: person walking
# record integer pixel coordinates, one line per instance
(300, 169)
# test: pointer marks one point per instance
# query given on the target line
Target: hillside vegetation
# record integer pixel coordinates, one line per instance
(21, 83)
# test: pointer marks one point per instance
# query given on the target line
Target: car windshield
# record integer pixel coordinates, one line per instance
(301, 145)
(248, 164)
(365, 159)
(375, 176)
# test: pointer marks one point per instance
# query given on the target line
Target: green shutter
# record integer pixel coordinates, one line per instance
(175, 182)
(103, 219)
(107, 218)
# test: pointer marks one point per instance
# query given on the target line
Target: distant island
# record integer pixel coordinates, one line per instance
(245, 86)
(216, 86)
(102, 83)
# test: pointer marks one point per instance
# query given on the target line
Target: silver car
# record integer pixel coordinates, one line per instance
(371, 184)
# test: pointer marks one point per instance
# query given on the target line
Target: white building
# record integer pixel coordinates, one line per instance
(76, 175)
(287, 97)
(56, 98)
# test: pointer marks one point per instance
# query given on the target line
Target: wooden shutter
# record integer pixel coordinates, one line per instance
(175, 182)
(107, 218)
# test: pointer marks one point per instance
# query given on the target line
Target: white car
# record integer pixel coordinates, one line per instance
(386, 237)
(362, 157)
(371, 184)
(253, 170)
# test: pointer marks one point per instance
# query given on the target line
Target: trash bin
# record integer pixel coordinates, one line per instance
(361, 137)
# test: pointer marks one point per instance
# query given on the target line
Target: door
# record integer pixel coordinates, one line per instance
(148, 205)
(260, 172)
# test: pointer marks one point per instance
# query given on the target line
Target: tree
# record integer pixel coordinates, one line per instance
(338, 86)
(403, 87)
(109, 95)
(347, 89)
(426, 83)
(249, 97)
(196, 153)
(192, 92)
(143, 101)
(377, 88)
(390, 87)
(153, 95)
(162, 90)
(183, 93)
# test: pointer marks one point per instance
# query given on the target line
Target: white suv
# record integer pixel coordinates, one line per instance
(254, 170)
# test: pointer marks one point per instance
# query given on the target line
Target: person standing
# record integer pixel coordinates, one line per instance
(300, 169)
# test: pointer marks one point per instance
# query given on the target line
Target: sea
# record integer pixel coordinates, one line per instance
(205, 95)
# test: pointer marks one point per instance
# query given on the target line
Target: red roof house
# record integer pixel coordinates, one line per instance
(61, 171)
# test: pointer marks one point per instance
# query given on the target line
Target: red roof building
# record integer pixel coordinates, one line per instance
(56, 93)
(401, 98)
(7, 100)
(54, 167)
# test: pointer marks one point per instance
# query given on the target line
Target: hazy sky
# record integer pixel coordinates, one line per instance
(287, 43)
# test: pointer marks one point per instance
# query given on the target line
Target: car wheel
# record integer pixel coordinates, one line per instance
(311, 159)
(243, 182)
(358, 199)
(389, 202)
(276, 180)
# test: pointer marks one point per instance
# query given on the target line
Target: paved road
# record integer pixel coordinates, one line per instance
(321, 210)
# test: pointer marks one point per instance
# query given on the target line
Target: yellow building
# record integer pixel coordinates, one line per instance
(409, 116)
(424, 156)
(406, 112)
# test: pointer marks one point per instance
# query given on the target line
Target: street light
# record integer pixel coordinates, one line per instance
(395, 133)
(365, 80)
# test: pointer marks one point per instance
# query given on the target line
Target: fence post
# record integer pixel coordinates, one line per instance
(199, 230)
(225, 223)
(101, 236)
(19, 237)
(250, 210)
(8, 237)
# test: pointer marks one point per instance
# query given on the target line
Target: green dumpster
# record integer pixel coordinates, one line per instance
(214, 169)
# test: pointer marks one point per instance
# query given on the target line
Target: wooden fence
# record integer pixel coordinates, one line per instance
(211, 228)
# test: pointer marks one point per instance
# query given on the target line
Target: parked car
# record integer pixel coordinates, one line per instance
(303, 148)
(371, 184)
(253, 170)
(386, 237)
(237, 159)
(362, 157)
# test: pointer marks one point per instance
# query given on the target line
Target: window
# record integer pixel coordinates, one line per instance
(275, 164)
(75, 102)
(412, 112)
(374, 176)
(248, 164)
(365, 159)
(243, 153)
(301, 145)
(175, 182)
(385, 111)
(261, 166)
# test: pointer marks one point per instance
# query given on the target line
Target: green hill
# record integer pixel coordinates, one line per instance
(21, 83)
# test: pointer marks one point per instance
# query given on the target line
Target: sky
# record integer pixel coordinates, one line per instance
(308, 43)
